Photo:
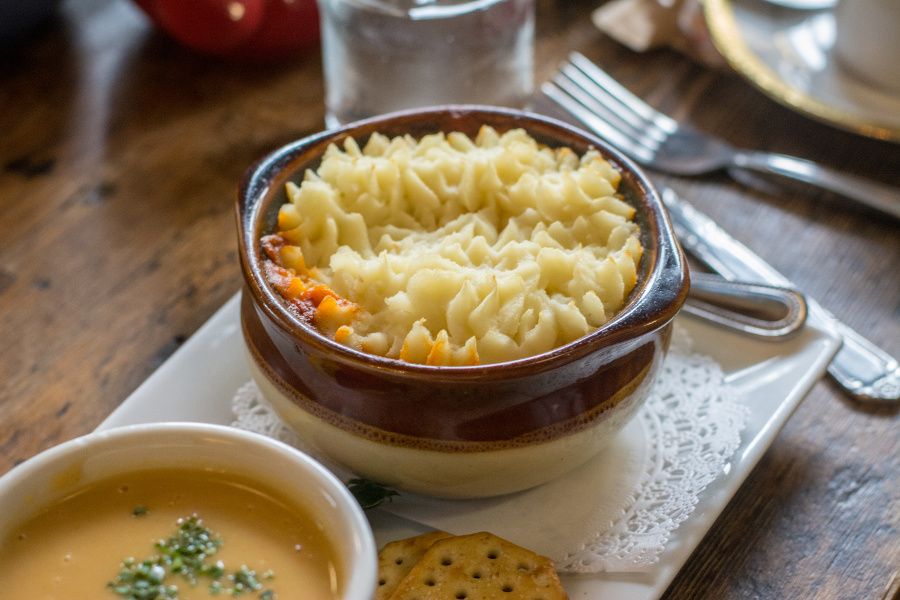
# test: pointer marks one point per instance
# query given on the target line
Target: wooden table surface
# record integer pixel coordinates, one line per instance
(119, 157)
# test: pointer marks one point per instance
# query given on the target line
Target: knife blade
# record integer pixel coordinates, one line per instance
(863, 369)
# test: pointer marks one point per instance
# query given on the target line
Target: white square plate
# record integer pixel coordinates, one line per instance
(198, 382)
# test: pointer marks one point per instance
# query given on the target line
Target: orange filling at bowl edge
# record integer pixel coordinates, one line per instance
(319, 306)
(310, 300)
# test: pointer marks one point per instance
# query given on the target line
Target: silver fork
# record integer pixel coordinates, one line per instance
(658, 141)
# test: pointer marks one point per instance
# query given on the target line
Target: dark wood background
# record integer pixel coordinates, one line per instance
(119, 157)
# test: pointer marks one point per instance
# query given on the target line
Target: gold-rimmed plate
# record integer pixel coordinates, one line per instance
(788, 54)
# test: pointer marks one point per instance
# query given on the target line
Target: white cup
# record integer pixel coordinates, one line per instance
(868, 40)
(61, 470)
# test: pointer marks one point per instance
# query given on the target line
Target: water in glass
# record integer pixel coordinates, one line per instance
(384, 55)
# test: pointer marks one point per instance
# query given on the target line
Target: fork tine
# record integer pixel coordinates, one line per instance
(636, 136)
(606, 103)
(575, 107)
(616, 89)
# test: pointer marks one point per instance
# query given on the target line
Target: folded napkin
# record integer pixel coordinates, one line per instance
(645, 24)
(616, 512)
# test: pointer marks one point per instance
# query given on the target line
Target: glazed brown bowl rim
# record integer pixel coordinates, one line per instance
(642, 313)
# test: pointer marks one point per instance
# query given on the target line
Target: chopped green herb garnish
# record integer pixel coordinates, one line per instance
(370, 494)
(139, 511)
(186, 554)
(186, 551)
(244, 580)
(214, 571)
(142, 581)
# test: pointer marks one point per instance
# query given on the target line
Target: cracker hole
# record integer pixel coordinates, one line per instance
(523, 567)
(446, 561)
(399, 561)
(476, 575)
(429, 582)
(507, 588)
(493, 554)
(381, 582)
(461, 595)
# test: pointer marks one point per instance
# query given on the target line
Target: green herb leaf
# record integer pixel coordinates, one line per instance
(139, 511)
(268, 595)
(370, 494)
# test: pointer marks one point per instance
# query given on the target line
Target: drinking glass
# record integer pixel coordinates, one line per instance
(385, 55)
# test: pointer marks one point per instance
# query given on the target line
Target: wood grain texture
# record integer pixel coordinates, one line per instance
(119, 157)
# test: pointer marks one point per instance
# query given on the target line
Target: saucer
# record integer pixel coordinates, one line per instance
(788, 54)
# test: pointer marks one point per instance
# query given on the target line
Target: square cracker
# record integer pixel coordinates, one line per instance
(396, 559)
(480, 566)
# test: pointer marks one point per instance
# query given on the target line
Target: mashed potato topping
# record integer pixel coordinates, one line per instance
(455, 251)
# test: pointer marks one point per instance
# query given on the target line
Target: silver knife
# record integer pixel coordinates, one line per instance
(866, 371)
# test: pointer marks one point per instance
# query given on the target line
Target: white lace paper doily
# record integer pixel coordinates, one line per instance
(617, 512)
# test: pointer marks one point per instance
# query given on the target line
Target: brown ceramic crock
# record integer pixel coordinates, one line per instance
(457, 431)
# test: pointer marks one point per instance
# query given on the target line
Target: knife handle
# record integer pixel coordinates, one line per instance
(872, 194)
(863, 369)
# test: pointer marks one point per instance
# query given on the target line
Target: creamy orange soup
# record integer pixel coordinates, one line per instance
(75, 548)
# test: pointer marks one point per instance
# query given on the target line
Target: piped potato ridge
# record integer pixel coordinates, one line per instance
(453, 251)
